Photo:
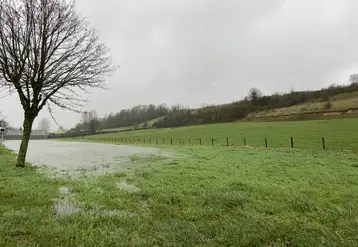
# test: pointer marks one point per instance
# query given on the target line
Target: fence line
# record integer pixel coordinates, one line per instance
(265, 142)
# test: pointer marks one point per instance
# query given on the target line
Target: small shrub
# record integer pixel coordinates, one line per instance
(120, 174)
(303, 109)
(133, 157)
(327, 105)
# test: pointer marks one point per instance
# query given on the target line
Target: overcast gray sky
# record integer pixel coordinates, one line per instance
(213, 51)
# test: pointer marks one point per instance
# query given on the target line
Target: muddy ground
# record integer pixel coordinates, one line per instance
(78, 157)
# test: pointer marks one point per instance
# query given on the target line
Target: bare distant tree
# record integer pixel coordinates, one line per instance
(353, 78)
(254, 94)
(48, 55)
(2, 118)
(44, 125)
(177, 107)
(90, 121)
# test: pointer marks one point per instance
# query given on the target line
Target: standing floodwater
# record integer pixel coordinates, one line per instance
(67, 157)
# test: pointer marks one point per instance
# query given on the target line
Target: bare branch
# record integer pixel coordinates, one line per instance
(52, 116)
(48, 53)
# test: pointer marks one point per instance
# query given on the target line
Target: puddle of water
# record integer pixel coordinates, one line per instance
(64, 190)
(81, 158)
(65, 205)
(110, 212)
(128, 187)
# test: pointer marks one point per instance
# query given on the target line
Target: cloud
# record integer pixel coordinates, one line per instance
(194, 52)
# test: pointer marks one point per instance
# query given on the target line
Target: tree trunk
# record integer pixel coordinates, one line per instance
(27, 126)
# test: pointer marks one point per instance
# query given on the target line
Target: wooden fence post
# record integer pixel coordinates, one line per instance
(266, 142)
(291, 142)
(323, 144)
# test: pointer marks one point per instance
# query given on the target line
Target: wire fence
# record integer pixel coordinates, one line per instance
(290, 142)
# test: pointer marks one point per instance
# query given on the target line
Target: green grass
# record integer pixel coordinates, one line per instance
(338, 133)
(211, 197)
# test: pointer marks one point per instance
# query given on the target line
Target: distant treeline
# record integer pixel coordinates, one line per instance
(134, 116)
(254, 102)
(181, 116)
(140, 114)
(71, 134)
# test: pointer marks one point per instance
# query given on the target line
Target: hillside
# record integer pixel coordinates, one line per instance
(332, 102)
(148, 124)
(342, 105)
(339, 106)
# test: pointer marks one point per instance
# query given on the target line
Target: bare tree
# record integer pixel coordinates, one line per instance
(353, 78)
(48, 55)
(2, 118)
(44, 125)
(90, 121)
(254, 94)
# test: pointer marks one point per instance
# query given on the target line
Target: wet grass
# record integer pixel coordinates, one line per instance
(339, 134)
(211, 197)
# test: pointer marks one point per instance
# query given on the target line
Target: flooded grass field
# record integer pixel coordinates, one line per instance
(77, 158)
(178, 196)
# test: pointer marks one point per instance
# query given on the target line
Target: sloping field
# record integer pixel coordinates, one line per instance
(338, 134)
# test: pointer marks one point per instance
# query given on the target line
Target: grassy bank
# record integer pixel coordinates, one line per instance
(341, 102)
(212, 197)
(338, 133)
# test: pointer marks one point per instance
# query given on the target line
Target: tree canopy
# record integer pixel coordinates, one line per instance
(48, 55)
